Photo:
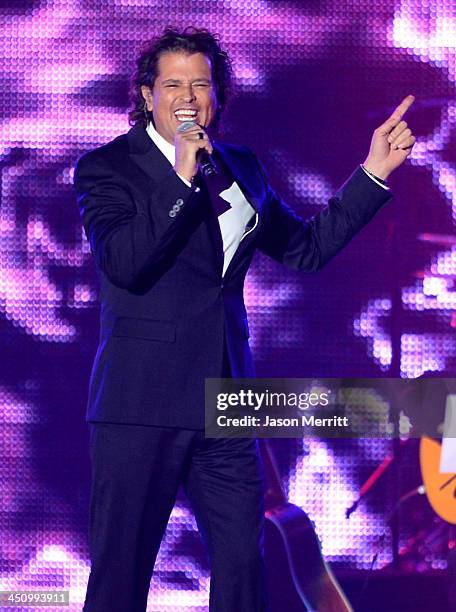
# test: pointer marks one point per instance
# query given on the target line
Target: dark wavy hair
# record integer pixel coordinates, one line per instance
(190, 40)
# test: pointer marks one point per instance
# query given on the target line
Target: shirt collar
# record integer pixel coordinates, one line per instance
(168, 150)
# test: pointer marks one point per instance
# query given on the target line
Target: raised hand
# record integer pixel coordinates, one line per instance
(188, 142)
(391, 142)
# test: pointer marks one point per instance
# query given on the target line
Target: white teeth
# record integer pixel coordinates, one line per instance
(185, 114)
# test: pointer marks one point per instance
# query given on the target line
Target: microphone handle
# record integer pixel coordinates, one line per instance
(206, 163)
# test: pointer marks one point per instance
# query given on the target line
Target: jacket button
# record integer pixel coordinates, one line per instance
(179, 202)
(172, 213)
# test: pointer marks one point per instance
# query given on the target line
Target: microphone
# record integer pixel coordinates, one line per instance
(205, 162)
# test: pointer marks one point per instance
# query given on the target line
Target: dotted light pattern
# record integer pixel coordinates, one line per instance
(308, 92)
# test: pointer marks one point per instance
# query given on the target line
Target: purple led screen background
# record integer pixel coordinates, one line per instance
(312, 81)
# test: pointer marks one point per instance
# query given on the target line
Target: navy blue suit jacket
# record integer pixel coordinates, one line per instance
(165, 308)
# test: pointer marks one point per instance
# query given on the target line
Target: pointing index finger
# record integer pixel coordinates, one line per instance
(400, 110)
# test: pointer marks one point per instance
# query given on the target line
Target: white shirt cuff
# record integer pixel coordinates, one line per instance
(186, 182)
(371, 176)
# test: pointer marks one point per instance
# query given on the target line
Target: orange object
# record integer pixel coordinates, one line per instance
(440, 486)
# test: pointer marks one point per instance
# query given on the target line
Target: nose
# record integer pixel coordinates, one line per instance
(189, 94)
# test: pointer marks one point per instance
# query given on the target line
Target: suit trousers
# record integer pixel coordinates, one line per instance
(136, 474)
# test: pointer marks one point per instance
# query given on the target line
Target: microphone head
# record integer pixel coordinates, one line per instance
(185, 126)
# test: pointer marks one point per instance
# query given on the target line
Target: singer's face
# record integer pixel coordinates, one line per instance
(183, 91)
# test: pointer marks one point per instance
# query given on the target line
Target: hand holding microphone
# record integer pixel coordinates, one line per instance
(193, 150)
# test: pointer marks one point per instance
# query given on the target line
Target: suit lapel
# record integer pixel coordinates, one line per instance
(211, 221)
(145, 153)
(233, 164)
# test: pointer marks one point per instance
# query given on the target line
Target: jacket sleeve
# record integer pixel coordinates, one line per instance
(124, 241)
(309, 245)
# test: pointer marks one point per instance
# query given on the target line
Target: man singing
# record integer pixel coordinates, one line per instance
(172, 245)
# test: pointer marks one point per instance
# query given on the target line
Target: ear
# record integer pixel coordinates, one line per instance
(147, 95)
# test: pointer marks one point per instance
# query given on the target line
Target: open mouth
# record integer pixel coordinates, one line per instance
(185, 114)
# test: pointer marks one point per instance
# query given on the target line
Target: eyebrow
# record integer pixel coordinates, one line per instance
(202, 79)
